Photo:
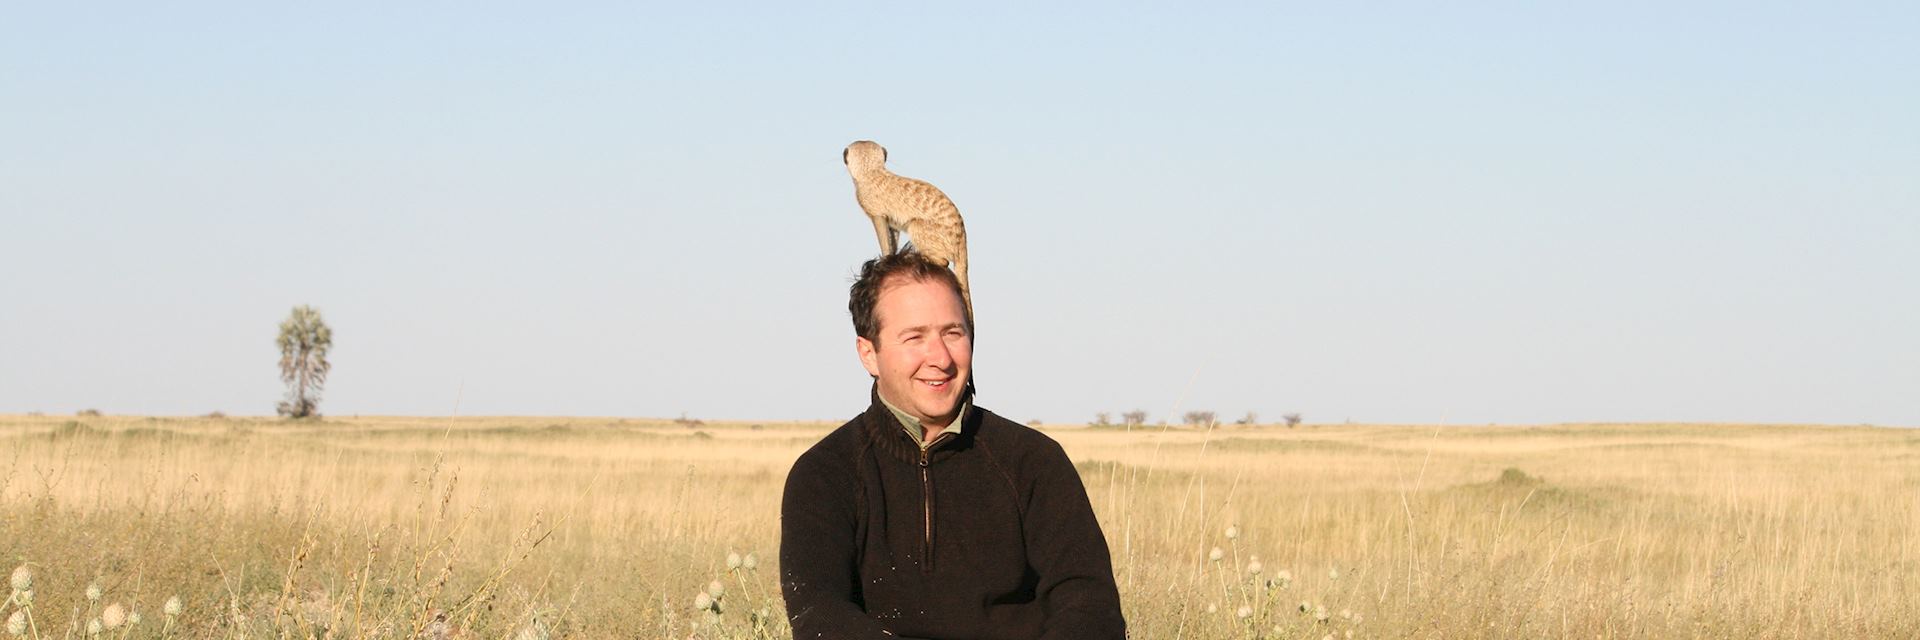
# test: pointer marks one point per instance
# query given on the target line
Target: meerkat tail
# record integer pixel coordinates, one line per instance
(966, 291)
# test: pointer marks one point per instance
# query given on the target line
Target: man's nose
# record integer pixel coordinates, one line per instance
(938, 354)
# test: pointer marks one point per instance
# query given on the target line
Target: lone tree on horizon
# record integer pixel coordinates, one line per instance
(304, 341)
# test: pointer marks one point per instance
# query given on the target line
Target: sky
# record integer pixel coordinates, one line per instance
(1462, 213)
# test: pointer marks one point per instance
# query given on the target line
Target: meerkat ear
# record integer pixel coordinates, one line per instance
(883, 154)
(843, 156)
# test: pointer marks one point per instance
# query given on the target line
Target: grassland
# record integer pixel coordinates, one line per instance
(533, 528)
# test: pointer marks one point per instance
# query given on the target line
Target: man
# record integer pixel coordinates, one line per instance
(926, 516)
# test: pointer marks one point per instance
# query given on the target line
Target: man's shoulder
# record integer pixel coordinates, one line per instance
(1017, 443)
(837, 449)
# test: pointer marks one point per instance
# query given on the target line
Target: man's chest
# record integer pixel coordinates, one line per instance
(953, 525)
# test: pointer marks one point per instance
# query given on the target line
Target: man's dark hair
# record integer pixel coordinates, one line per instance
(896, 268)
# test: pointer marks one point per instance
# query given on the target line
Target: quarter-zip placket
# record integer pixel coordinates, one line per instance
(926, 501)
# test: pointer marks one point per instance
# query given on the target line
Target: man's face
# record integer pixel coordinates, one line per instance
(924, 353)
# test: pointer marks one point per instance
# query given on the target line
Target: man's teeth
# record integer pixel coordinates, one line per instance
(931, 383)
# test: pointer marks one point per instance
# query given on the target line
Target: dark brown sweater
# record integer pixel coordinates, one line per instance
(987, 534)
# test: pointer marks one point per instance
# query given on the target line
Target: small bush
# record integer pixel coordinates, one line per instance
(88, 413)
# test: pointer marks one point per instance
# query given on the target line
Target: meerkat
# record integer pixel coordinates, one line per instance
(897, 203)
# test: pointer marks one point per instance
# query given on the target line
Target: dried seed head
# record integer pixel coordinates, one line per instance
(749, 563)
(1333, 574)
(1216, 554)
(1233, 531)
(1346, 614)
(1254, 567)
(716, 590)
(1286, 576)
(702, 602)
(114, 616)
(1213, 608)
(1320, 613)
(733, 561)
(25, 598)
(22, 578)
(93, 592)
(133, 617)
(172, 607)
(1244, 612)
(93, 627)
(17, 623)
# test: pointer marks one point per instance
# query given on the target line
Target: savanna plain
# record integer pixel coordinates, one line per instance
(535, 528)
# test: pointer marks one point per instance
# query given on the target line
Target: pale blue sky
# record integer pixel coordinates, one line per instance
(1392, 212)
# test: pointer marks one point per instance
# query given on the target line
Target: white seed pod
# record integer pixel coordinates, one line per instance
(133, 617)
(113, 616)
(1213, 608)
(93, 592)
(1333, 574)
(1233, 532)
(1346, 614)
(1254, 567)
(1216, 554)
(716, 589)
(22, 578)
(535, 630)
(1286, 576)
(733, 561)
(1244, 612)
(93, 627)
(172, 607)
(750, 562)
(702, 602)
(1320, 613)
(17, 623)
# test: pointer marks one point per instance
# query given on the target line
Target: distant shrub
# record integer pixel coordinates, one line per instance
(1134, 418)
(687, 422)
(1102, 419)
(1293, 420)
(217, 415)
(1514, 476)
(88, 413)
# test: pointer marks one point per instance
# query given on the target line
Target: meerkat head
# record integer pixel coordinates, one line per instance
(863, 156)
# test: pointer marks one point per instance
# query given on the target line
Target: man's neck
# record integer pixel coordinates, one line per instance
(924, 431)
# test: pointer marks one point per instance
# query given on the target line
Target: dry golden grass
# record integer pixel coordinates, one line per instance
(479, 527)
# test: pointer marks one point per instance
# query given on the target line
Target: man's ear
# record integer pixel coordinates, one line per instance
(868, 357)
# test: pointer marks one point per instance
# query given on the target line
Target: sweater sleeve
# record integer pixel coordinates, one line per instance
(817, 552)
(1069, 553)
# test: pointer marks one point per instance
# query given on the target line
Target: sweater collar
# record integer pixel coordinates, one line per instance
(886, 431)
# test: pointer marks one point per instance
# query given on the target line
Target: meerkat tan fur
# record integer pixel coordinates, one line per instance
(897, 203)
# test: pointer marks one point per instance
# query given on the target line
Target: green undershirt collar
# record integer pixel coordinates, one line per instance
(915, 428)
